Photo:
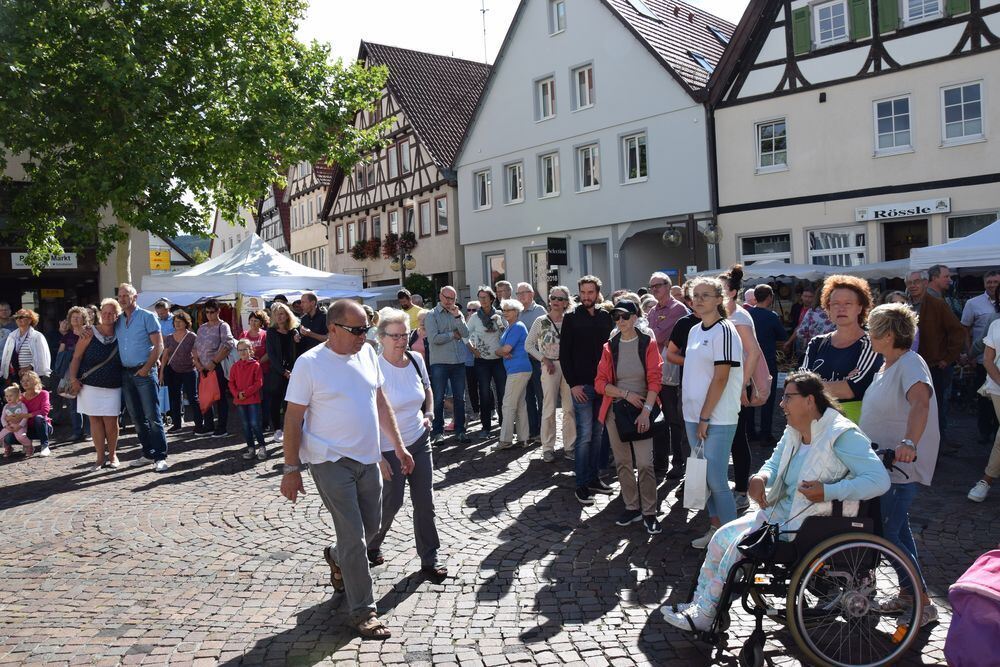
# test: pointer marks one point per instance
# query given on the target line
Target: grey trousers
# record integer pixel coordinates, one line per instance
(421, 495)
(352, 492)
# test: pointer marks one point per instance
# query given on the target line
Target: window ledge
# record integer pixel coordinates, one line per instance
(583, 108)
(635, 181)
(948, 143)
(771, 170)
(515, 202)
(557, 32)
(590, 189)
(832, 42)
(933, 17)
(551, 195)
(542, 120)
(889, 152)
(483, 208)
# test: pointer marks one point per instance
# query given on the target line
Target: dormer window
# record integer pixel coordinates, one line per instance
(702, 61)
(719, 35)
(642, 8)
(557, 16)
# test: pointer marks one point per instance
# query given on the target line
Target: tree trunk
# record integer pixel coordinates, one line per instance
(123, 256)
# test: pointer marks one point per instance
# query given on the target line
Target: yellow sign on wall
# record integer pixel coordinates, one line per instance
(52, 293)
(159, 260)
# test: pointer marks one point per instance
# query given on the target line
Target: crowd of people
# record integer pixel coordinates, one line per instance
(644, 380)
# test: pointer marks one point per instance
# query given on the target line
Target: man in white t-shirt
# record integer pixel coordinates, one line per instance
(336, 411)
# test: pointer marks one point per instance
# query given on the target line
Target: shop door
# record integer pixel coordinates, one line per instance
(899, 238)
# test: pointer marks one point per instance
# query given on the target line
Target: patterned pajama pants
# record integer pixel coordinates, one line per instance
(720, 557)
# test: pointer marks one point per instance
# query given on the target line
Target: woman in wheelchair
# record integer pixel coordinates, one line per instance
(822, 457)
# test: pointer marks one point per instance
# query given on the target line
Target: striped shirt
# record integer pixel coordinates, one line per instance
(856, 363)
(717, 345)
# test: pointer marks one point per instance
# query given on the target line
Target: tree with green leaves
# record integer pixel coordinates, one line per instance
(164, 110)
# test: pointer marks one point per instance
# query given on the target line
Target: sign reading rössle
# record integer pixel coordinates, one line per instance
(906, 209)
(64, 261)
(556, 251)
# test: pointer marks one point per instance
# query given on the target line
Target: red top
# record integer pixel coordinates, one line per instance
(247, 377)
(39, 405)
(259, 348)
(606, 375)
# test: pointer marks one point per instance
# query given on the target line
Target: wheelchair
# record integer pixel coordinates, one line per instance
(830, 576)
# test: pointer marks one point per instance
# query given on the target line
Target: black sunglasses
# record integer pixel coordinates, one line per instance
(354, 331)
(620, 316)
(558, 298)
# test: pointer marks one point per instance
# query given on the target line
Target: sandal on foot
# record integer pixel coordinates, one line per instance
(373, 628)
(336, 576)
(435, 571)
(375, 557)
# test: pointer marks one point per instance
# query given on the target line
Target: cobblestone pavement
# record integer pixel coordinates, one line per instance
(208, 564)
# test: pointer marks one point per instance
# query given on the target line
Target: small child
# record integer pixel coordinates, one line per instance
(15, 427)
(245, 382)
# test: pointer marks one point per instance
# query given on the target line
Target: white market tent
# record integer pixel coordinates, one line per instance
(980, 248)
(252, 268)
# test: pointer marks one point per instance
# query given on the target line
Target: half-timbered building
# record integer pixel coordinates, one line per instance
(306, 190)
(274, 225)
(410, 185)
(592, 133)
(851, 131)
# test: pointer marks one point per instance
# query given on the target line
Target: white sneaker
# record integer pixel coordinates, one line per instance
(279, 435)
(693, 616)
(979, 491)
(45, 452)
(702, 542)
(141, 461)
(261, 453)
(161, 466)
(742, 502)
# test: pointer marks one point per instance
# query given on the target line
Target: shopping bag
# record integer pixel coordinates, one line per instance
(208, 391)
(696, 479)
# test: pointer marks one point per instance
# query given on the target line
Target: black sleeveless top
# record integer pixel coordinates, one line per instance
(109, 375)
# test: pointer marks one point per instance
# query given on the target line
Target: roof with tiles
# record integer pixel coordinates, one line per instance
(439, 94)
(675, 31)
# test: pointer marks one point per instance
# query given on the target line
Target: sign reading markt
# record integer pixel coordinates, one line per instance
(64, 261)
(907, 209)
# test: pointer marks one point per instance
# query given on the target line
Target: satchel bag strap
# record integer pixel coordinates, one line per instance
(102, 364)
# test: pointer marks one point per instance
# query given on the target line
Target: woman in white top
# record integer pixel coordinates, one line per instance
(738, 315)
(711, 392)
(543, 345)
(407, 387)
(485, 328)
(25, 348)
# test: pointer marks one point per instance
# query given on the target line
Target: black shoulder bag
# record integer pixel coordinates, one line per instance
(625, 412)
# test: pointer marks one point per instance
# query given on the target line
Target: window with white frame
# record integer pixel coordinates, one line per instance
(772, 145)
(583, 83)
(545, 92)
(391, 158)
(514, 183)
(377, 227)
(404, 157)
(892, 125)
(319, 206)
(963, 225)
(408, 222)
(441, 205)
(483, 195)
(921, 10)
(363, 229)
(766, 248)
(322, 258)
(634, 158)
(314, 258)
(548, 171)
(844, 246)
(588, 167)
(538, 272)
(312, 214)
(425, 218)
(352, 235)
(340, 238)
(830, 22)
(393, 222)
(359, 177)
(962, 112)
(557, 16)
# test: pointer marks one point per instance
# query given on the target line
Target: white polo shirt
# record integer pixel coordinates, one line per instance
(339, 392)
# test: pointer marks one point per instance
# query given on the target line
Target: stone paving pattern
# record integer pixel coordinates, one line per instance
(208, 564)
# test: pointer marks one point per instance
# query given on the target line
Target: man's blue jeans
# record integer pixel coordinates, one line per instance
(589, 433)
(142, 399)
(441, 375)
(534, 398)
(895, 507)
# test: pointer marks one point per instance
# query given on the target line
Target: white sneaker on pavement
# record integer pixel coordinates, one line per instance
(689, 620)
(702, 542)
(279, 435)
(141, 461)
(742, 502)
(161, 466)
(979, 491)
(45, 452)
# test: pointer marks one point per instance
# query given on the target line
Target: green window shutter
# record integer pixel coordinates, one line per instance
(801, 31)
(953, 7)
(888, 15)
(861, 22)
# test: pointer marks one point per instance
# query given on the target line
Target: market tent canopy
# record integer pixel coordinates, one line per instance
(897, 268)
(253, 267)
(981, 248)
(759, 271)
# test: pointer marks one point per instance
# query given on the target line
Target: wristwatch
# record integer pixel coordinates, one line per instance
(287, 468)
(647, 407)
(704, 419)
(907, 442)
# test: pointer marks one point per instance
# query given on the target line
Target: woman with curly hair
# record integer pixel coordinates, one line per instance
(844, 358)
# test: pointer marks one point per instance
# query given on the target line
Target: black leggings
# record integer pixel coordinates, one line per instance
(276, 388)
(741, 451)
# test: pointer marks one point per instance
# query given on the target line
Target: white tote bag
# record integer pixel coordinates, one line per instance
(696, 479)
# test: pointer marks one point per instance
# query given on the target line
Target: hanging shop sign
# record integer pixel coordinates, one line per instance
(907, 209)
(556, 254)
(64, 261)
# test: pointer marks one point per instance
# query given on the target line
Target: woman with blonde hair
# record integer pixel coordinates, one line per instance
(25, 348)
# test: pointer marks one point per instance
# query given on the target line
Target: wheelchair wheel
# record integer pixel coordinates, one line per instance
(832, 605)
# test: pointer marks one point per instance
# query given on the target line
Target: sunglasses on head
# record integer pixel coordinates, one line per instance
(620, 316)
(354, 331)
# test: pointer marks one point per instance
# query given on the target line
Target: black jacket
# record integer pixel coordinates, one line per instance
(581, 343)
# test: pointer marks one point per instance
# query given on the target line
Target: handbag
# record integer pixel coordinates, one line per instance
(760, 543)
(208, 391)
(65, 387)
(696, 479)
(625, 416)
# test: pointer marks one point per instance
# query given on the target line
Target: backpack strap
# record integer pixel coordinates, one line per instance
(409, 355)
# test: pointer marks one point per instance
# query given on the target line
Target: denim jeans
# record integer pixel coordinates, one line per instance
(81, 426)
(941, 377)
(490, 374)
(895, 505)
(250, 414)
(589, 436)
(38, 428)
(718, 445)
(188, 383)
(441, 375)
(534, 398)
(141, 396)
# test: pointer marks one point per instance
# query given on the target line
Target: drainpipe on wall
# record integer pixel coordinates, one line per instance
(713, 172)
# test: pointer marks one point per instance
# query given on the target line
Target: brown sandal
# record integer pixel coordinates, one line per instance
(336, 576)
(373, 628)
